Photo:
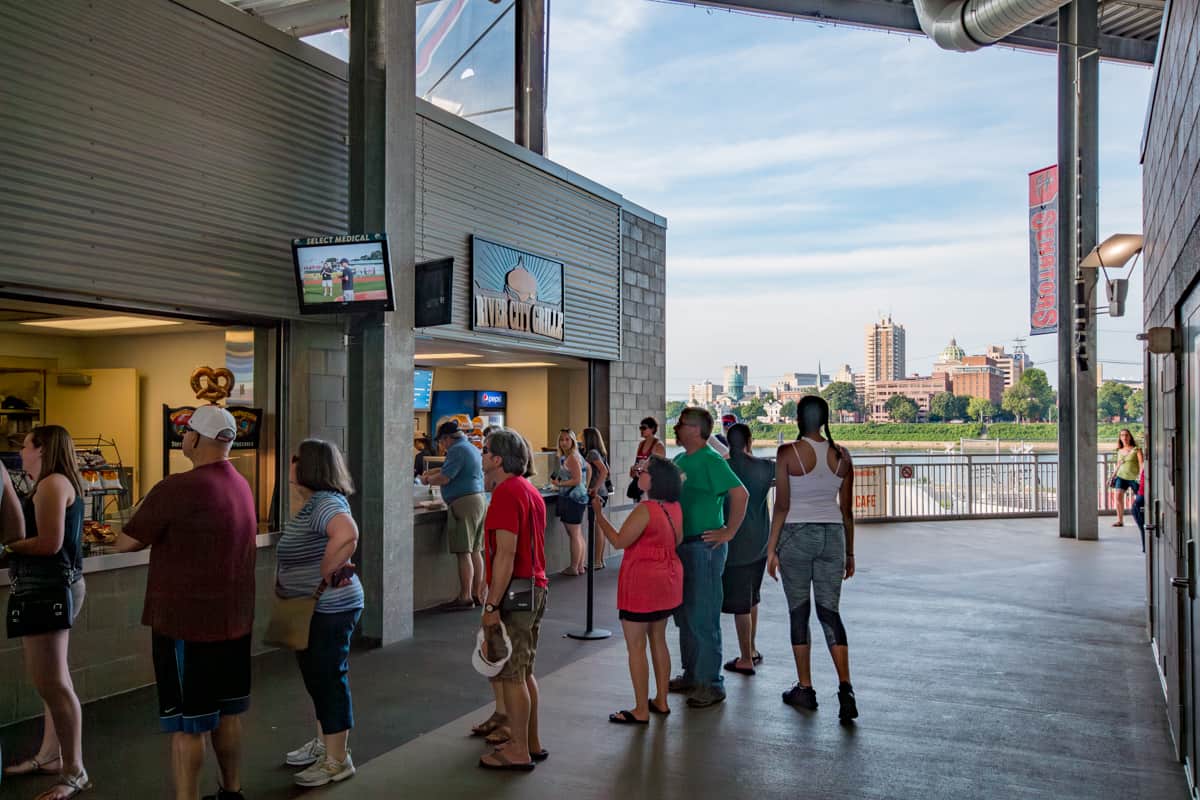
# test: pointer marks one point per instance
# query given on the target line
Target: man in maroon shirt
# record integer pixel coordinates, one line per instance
(515, 544)
(200, 526)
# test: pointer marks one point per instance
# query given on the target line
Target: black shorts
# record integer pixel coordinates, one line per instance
(743, 585)
(570, 512)
(646, 616)
(200, 681)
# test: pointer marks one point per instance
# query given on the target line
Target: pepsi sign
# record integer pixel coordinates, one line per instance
(491, 399)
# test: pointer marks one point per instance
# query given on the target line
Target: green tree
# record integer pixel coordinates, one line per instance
(944, 406)
(1135, 406)
(750, 410)
(1019, 401)
(788, 411)
(1039, 389)
(840, 396)
(980, 409)
(674, 407)
(1111, 399)
(901, 408)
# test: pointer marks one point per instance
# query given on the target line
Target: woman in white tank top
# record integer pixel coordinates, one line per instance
(812, 545)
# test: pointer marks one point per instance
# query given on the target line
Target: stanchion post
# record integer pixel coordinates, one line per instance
(590, 632)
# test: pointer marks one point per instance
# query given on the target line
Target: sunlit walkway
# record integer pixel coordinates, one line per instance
(990, 660)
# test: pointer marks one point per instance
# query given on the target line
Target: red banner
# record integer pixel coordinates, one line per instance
(1043, 251)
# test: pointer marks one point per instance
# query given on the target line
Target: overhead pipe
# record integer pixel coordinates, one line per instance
(967, 25)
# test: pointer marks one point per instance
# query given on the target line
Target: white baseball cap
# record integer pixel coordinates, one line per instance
(213, 422)
(490, 669)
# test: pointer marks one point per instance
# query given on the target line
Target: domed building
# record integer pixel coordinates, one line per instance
(950, 358)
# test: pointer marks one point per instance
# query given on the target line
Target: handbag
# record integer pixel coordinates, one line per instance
(519, 596)
(291, 618)
(49, 609)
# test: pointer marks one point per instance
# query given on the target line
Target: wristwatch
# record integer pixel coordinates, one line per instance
(490, 609)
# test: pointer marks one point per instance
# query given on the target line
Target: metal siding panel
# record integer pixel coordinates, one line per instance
(150, 155)
(465, 187)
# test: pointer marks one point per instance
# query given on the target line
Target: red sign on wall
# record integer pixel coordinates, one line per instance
(1043, 251)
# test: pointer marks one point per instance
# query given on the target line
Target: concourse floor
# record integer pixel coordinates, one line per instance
(991, 659)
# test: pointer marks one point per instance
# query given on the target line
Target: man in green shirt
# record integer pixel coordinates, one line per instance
(708, 480)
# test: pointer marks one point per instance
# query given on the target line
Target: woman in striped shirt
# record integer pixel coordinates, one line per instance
(313, 556)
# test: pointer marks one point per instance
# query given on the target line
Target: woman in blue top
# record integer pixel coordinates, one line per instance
(314, 555)
(571, 480)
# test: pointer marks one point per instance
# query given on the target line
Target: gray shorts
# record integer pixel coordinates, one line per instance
(812, 559)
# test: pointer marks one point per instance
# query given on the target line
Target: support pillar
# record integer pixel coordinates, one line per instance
(382, 198)
(1068, 236)
(529, 98)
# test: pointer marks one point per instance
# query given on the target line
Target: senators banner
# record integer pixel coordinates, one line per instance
(1043, 251)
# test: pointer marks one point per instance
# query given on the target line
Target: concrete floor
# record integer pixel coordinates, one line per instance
(990, 659)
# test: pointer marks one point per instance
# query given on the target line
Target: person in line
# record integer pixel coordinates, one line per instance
(598, 481)
(571, 480)
(650, 583)
(347, 281)
(706, 534)
(313, 555)
(516, 549)
(422, 449)
(717, 440)
(326, 279)
(46, 563)
(461, 479)
(1125, 475)
(494, 729)
(747, 560)
(812, 544)
(650, 445)
(1138, 508)
(201, 527)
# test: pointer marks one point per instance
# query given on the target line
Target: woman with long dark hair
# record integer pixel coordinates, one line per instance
(1125, 476)
(46, 569)
(648, 445)
(812, 544)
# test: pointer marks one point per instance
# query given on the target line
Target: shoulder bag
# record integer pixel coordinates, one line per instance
(291, 618)
(519, 596)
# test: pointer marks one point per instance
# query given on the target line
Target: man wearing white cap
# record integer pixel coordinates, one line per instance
(200, 526)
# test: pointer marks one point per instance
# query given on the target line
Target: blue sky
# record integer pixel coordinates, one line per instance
(815, 176)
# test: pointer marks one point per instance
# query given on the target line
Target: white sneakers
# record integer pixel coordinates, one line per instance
(310, 753)
(326, 771)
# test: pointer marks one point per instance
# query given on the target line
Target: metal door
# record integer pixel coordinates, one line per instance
(1185, 557)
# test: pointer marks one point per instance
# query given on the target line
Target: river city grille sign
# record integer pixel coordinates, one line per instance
(515, 292)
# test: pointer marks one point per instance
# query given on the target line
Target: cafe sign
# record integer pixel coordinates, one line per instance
(515, 292)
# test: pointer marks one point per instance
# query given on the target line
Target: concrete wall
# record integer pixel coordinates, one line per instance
(1171, 215)
(638, 382)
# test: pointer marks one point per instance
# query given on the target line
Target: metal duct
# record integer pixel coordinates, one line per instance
(967, 25)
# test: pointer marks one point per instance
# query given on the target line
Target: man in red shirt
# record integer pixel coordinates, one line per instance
(515, 543)
(201, 527)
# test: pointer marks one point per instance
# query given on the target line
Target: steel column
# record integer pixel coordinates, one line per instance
(1068, 463)
(529, 96)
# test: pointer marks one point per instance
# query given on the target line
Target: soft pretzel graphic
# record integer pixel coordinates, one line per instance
(213, 385)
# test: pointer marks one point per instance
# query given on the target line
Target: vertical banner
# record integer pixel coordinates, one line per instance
(1043, 251)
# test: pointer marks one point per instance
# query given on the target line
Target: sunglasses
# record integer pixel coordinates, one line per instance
(485, 451)
(644, 427)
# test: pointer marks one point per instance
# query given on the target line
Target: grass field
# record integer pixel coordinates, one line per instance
(372, 287)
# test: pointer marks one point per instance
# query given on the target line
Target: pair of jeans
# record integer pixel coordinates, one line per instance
(699, 618)
(1138, 509)
(325, 667)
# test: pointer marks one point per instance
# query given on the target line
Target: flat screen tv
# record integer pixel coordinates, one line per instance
(343, 274)
(422, 389)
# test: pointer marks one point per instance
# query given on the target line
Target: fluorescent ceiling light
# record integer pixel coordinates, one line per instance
(444, 356)
(101, 323)
(517, 364)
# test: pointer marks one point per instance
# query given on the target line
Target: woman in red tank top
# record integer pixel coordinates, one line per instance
(650, 585)
(650, 445)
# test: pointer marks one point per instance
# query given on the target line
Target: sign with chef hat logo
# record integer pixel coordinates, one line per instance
(516, 292)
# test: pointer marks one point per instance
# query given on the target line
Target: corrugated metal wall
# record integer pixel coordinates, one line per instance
(465, 187)
(148, 154)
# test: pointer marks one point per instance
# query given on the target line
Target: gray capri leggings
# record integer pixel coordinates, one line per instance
(813, 554)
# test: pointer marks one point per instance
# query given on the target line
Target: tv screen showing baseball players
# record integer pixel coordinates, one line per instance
(343, 274)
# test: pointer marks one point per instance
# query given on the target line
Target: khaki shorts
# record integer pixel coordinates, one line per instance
(464, 523)
(523, 628)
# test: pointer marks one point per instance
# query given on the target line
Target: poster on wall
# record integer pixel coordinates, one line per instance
(870, 491)
(1043, 251)
(515, 292)
(175, 420)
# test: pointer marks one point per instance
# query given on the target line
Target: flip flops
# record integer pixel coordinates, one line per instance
(31, 766)
(505, 765)
(540, 755)
(661, 712)
(758, 659)
(731, 666)
(490, 725)
(627, 718)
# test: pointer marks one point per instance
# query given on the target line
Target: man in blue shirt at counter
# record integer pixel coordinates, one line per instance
(461, 479)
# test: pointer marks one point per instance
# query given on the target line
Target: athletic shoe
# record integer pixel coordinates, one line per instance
(326, 771)
(310, 753)
(705, 696)
(848, 707)
(801, 697)
(680, 684)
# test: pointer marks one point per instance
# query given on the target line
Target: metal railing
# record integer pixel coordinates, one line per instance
(964, 486)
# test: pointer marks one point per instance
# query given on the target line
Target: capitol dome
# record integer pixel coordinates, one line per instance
(952, 352)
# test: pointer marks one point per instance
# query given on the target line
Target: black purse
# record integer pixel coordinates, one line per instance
(51, 609)
(519, 596)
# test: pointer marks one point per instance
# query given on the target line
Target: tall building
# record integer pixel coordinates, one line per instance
(885, 353)
(950, 359)
(703, 394)
(736, 376)
(843, 375)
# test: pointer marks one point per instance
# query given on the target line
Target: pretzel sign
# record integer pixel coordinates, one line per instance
(213, 385)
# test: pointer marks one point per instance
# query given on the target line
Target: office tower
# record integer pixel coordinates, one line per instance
(884, 352)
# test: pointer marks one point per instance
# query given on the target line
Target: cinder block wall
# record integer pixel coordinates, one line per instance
(638, 382)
